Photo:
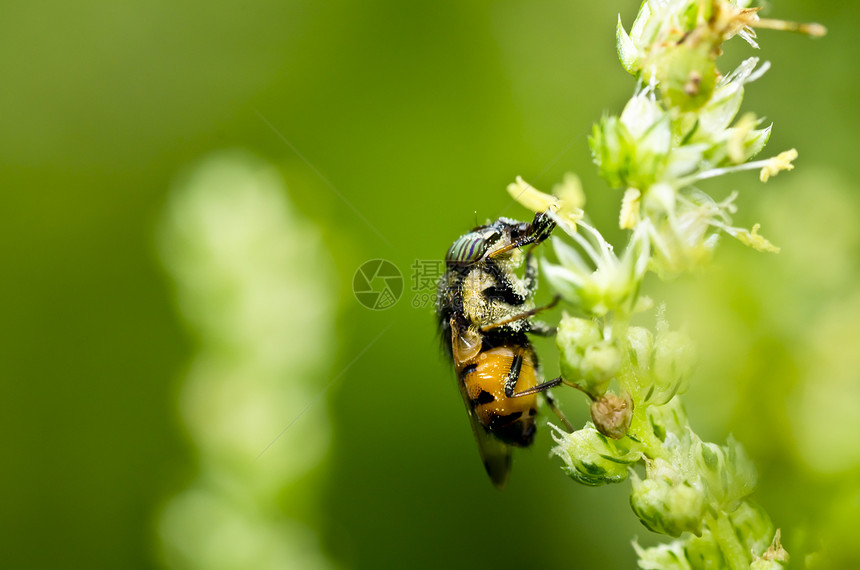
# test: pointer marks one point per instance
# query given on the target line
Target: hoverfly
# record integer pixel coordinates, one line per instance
(484, 310)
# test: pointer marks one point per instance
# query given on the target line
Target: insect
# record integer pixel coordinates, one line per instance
(484, 310)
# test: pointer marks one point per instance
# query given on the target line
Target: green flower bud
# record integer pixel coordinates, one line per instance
(693, 553)
(585, 356)
(631, 150)
(704, 552)
(637, 374)
(660, 367)
(726, 470)
(593, 459)
(671, 556)
(670, 418)
(665, 502)
(600, 363)
(641, 343)
(628, 54)
(687, 74)
(576, 332)
(674, 358)
(753, 527)
(573, 337)
(613, 151)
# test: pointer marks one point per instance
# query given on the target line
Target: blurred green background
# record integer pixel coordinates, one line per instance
(395, 126)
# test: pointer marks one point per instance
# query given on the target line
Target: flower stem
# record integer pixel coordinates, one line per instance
(724, 535)
(641, 431)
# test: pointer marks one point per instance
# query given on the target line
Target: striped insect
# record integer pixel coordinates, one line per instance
(485, 312)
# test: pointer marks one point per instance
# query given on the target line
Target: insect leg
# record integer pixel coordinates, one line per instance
(541, 227)
(550, 401)
(514, 373)
(536, 232)
(543, 387)
(521, 316)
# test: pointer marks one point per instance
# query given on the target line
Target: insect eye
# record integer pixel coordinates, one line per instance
(471, 247)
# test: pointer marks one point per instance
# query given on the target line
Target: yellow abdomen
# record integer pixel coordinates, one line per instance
(512, 420)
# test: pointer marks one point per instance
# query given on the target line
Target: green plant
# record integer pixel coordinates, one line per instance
(679, 128)
(242, 264)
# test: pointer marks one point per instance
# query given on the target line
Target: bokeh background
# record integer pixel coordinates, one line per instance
(367, 130)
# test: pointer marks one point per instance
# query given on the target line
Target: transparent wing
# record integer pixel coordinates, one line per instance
(495, 453)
